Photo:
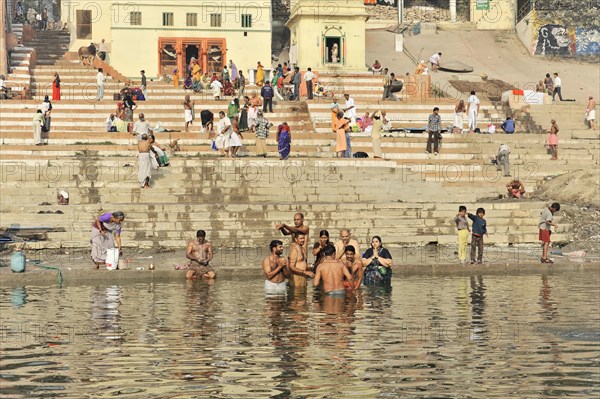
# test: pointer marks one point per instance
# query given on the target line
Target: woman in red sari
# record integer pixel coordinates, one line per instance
(56, 87)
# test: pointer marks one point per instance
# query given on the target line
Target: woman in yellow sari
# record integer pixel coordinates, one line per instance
(196, 74)
(260, 74)
(341, 125)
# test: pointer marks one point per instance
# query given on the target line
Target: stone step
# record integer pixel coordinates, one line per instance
(131, 243)
(291, 205)
(249, 237)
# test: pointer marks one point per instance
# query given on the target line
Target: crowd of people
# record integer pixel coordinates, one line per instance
(339, 267)
(228, 137)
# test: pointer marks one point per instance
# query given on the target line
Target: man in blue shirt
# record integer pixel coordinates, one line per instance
(267, 94)
(508, 126)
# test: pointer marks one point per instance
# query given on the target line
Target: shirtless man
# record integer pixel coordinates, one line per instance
(515, 188)
(332, 272)
(298, 261)
(200, 253)
(354, 266)
(274, 267)
(145, 164)
(345, 240)
(298, 227)
(590, 113)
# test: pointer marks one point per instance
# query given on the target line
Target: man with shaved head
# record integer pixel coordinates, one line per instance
(345, 240)
(298, 227)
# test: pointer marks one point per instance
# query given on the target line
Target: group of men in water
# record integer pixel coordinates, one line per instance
(336, 267)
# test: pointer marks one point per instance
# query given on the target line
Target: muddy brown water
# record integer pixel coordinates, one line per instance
(500, 336)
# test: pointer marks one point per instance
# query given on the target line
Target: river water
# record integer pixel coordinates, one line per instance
(531, 336)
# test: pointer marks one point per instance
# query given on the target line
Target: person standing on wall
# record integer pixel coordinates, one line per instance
(267, 94)
(144, 84)
(100, 80)
(308, 78)
(557, 87)
(473, 111)
(296, 82)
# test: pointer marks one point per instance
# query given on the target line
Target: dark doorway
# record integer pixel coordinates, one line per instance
(191, 50)
(334, 49)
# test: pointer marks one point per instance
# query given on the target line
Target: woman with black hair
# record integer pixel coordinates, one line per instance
(378, 264)
(318, 248)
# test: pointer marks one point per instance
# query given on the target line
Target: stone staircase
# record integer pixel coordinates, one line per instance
(50, 45)
(239, 201)
(569, 117)
(408, 199)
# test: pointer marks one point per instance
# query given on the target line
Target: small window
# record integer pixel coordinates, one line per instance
(167, 19)
(84, 24)
(135, 18)
(246, 20)
(191, 19)
(215, 20)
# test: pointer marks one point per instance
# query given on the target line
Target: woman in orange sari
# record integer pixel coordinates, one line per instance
(340, 139)
(335, 108)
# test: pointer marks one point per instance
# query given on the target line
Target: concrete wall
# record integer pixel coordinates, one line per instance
(524, 31)
(135, 47)
(501, 15)
(553, 38)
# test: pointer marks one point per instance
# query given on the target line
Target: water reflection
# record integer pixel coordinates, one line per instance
(478, 325)
(491, 336)
(106, 316)
(18, 297)
(549, 309)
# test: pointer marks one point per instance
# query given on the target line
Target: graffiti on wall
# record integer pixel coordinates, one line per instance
(587, 41)
(554, 39)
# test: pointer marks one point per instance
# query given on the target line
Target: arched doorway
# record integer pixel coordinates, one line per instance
(333, 49)
(176, 53)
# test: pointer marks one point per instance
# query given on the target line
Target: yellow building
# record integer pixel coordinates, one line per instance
(160, 36)
(328, 34)
(494, 14)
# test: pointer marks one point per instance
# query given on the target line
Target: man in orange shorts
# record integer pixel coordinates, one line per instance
(354, 266)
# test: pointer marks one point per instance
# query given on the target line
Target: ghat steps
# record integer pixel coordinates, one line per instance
(240, 201)
(410, 198)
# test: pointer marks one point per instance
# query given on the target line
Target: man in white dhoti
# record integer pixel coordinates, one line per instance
(349, 108)
(472, 111)
(145, 162)
(224, 135)
(216, 88)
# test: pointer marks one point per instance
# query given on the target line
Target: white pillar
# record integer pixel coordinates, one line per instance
(401, 11)
(3, 52)
(453, 10)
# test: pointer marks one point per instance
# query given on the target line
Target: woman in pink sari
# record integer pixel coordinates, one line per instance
(341, 124)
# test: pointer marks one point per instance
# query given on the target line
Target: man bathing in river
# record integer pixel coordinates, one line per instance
(298, 264)
(354, 266)
(298, 227)
(332, 272)
(275, 269)
(200, 253)
(345, 240)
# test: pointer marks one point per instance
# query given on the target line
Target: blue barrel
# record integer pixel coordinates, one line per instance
(17, 262)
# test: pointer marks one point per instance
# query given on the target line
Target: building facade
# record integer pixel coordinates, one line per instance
(328, 34)
(160, 36)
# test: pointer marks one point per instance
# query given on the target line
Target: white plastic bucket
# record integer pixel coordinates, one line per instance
(112, 258)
